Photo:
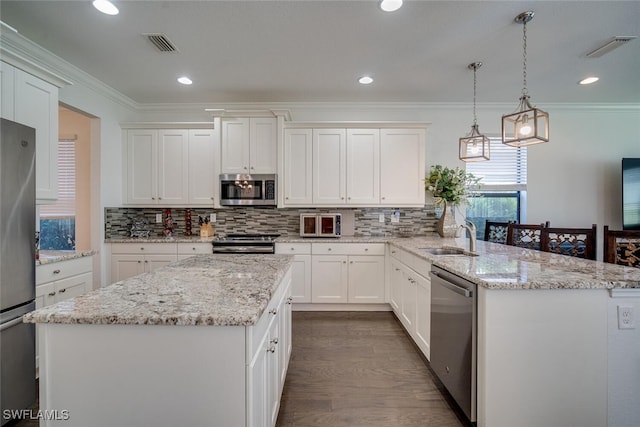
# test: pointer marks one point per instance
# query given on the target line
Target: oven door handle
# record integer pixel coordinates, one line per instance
(11, 323)
(451, 286)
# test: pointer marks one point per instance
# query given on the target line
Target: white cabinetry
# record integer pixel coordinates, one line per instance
(249, 145)
(367, 166)
(298, 161)
(300, 270)
(59, 281)
(28, 100)
(270, 350)
(410, 296)
(131, 259)
(402, 166)
(186, 250)
(169, 167)
(347, 273)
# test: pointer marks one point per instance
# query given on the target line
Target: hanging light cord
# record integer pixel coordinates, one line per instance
(475, 121)
(524, 58)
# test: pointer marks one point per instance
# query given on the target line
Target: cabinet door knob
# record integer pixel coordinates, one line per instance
(159, 198)
(146, 261)
(193, 249)
(274, 341)
(366, 249)
(142, 249)
(139, 261)
(211, 198)
(273, 311)
(383, 198)
(351, 262)
(329, 249)
(272, 349)
(153, 198)
(56, 271)
(289, 300)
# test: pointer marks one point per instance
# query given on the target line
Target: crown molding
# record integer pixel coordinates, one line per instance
(21, 52)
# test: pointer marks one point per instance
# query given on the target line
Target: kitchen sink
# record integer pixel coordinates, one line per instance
(447, 251)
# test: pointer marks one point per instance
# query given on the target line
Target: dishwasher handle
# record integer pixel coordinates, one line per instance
(451, 286)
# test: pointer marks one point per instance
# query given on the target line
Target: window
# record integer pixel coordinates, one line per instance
(57, 220)
(504, 186)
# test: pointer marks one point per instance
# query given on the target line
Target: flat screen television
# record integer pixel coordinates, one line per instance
(631, 194)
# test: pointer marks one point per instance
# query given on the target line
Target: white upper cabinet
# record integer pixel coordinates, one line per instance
(329, 166)
(402, 166)
(33, 102)
(169, 167)
(363, 166)
(298, 157)
(202, 174)
(173, 166)
(354, 166)
(249, 145)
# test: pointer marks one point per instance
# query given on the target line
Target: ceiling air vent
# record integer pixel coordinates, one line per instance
(614, 43)
(161, 42)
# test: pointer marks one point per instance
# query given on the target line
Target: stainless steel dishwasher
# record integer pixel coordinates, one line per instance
(453, 337)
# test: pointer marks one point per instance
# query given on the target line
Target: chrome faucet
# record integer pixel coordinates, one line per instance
(471, 228)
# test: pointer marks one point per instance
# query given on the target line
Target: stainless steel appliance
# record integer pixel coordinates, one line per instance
(453, 337)
(321, 225)
(245, 244)
(248, 190)
(17, 266)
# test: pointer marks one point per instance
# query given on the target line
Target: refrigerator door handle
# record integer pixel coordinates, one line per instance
(11, 323)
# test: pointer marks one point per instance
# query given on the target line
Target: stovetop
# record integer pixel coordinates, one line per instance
(246, 238)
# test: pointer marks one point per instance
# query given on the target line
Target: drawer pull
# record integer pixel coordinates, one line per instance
(139, 261)
(52, 294)
(366, 249)
(274, 341)
(63, 290)
(329, 249)
(193, 249)
(289, 300)
(272, 349)
(56, 271)
(273, 311)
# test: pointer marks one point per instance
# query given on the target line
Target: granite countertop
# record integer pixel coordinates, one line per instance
(500, 266)
(48, 257)
(201, 290)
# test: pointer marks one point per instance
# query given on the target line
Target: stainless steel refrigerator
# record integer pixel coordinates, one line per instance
(17, 266)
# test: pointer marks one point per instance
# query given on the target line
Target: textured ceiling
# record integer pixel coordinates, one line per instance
(271, 51)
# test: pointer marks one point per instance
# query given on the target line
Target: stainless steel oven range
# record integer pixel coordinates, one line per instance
(245, 244)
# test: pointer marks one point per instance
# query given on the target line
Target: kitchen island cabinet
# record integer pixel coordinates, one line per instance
(550, 349)
(198, 342)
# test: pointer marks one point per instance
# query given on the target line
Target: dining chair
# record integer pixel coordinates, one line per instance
(496, 232)
(622, 247)
(525, 235)
(577, 242)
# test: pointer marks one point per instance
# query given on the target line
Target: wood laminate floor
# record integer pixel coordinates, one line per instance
(360, 369)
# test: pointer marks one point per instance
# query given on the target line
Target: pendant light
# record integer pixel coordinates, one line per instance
(528, 125)
(475, 146)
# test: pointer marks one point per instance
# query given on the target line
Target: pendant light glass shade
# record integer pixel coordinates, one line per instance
(528, 125)
(475, 146)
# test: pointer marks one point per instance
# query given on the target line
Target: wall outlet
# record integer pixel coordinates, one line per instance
(625, 317)
(212, 217)
(395, 217)
(159, 218)
(381, 218)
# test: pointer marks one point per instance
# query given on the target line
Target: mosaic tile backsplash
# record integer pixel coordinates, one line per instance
(413, 221)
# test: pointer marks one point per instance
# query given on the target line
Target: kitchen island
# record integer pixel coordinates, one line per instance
(550, 348)
(205, 341)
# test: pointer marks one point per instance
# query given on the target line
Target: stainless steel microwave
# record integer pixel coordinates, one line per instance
(248, 190)
(321, 225)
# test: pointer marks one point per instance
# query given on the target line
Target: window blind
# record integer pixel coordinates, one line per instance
(506, 171)
(65, 206)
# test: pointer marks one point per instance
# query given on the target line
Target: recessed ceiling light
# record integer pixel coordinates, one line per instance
(106, 7)
(184, 80)
(589, 80)
(365, 80)
(390, 5)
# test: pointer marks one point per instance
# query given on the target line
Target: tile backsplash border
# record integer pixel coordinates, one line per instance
(413, 221)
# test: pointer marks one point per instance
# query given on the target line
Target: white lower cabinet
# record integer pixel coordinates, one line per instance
(186, 250)
(301, 269)
(59, 281)
(347, 273)
(410, 296)
(131, 259)
(269, 361)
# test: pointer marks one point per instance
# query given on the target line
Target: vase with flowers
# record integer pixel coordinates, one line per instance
(450, 187)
